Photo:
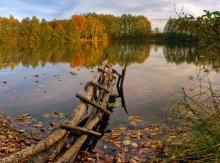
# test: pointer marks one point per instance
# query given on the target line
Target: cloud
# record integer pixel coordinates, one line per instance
(157, 11)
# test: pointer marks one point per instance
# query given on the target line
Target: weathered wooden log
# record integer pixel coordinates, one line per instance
(101, 94)
(108, 73)
(80, 129)
(93, 103)
(51, 140)
(71, 153)
(98, 85)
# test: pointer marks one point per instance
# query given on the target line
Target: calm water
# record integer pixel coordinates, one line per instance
(36, 78)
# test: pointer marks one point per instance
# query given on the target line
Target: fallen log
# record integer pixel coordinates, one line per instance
(71, 153)
(93, 103)
(51, 142)
(80, 129)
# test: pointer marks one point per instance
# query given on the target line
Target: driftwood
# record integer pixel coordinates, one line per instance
(93, 103)
(52, 146)
(98, 85)
(81, 129)
(48, 148)
(71, 154)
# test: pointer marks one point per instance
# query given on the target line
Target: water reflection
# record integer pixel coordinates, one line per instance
(88, 55)
(91, 54)
(154, 71)
(180, 54)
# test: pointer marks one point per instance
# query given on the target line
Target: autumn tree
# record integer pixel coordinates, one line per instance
(89, 26)
(95, 29)
(3, 29)
(81, 25)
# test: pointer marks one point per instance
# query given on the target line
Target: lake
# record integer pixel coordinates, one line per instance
(37, 78)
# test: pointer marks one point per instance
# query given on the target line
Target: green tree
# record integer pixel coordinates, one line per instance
(71, 32)
(25, 31)
(45, 31)
(156, 30)
(35, 29)
(59, 32)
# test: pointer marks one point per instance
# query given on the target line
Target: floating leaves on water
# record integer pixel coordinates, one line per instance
(120, 158)
(4, 82)
(58, 115)
(53, 115)
(46, 115)
(22, 131)
(38, 125)
(118, 144)
(36, 76)
(27, 122)
(53, 124)
(127, 142)
(73, 73)
(134, 120)
(15, 137)
(133, 144)
(24, 116)
(134, 133)
(152, 130)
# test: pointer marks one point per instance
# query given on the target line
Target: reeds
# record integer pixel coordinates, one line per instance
(195, 135)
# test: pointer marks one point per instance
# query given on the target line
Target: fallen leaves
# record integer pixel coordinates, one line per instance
(73, 73)
(13, 138)
(135, 120)
(4, 82)
(134, 145)
(131, 143)
(127, 142)
(53, 115)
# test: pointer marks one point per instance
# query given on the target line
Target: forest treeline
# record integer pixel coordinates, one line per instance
(204, 29)
(86, 27)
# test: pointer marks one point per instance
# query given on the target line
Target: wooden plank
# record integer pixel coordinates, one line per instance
(81, 129)
(114, 71)
(105, 83)
(108, 73)
(83, 98)
(71, 153)
(99, 86)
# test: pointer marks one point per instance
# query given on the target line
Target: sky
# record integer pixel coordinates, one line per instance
(157, 11)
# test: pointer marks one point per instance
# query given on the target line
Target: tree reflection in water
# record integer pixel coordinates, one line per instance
(88, 54)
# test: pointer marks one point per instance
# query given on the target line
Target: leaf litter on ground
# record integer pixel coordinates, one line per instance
(134, 142)
(15, 135)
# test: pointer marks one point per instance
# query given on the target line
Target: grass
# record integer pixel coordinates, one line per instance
(195, 135)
